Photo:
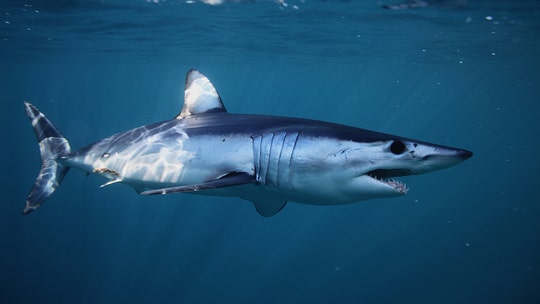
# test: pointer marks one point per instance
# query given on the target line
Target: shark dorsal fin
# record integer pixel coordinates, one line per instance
(200, 96)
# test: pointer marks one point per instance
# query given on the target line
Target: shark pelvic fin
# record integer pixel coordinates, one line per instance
(200, 96)
(267, 207)
(230, 179)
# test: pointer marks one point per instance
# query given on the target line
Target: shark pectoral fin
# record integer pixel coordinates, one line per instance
(230, 179)
(268, 207)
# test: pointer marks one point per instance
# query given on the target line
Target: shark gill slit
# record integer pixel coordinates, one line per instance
(275, 153)
(278, 165)
(266, 148)
(285, 157)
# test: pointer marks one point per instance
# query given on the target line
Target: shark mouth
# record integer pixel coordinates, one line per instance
(386, 176)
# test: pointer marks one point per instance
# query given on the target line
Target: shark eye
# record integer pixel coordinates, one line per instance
(397, 147)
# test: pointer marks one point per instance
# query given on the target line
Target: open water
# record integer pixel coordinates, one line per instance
(466, 77)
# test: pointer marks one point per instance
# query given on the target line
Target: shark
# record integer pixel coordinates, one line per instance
(268, 160)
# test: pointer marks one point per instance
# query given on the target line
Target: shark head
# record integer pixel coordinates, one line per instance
(375, 166)
(333, 164)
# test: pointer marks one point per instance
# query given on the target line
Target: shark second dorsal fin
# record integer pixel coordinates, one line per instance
(200, 96)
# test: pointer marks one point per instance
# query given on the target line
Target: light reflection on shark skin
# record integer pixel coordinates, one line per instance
(268, 160)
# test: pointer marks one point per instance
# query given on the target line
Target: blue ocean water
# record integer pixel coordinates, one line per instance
(463, 77)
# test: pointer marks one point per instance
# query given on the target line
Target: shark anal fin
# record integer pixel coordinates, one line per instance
(230, 179)
(268, 207)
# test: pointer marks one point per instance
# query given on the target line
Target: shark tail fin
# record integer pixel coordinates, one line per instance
(52, 146)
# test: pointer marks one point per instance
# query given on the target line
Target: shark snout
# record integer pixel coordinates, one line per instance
(458, 155)
(442, 158)
(464, 154)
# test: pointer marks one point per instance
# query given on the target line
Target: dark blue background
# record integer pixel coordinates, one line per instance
(467, 78)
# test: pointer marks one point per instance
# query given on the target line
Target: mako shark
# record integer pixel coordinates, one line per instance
(267, 160)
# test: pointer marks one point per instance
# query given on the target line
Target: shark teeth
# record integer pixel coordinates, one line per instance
(399, 186)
